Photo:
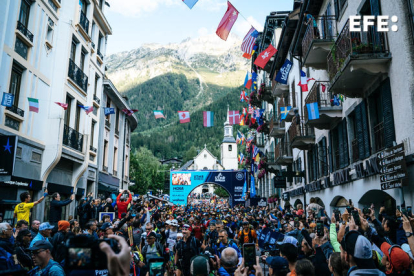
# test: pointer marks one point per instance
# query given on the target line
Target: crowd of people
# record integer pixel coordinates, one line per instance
(148, 236)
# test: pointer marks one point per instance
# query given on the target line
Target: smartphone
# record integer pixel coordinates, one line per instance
(319, 228)
(155, 266)
(366, 211)
(349, 209)
(404, 211)
(337, 215)
(355, 215)
(249, 254)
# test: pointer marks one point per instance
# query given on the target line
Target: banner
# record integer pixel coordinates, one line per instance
(8, 146)
(283, 74)
(182, 183)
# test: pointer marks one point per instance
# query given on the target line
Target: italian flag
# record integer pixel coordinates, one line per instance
(33, 105)
(208, 118)
(158, 114)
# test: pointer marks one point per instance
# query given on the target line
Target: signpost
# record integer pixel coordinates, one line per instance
(392, 166)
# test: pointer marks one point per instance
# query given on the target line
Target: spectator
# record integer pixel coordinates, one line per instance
(290, 253)
(108, 207)
(122, 202)
(200, 266)
(304, 268)
(22, 245)
(42, 258)
(278, 266)
(335, 265)
(6, 248)
(107, 228)
(73, 223)
(45, 230)
(22, 210)
(55, 212)
(35, 227)
(20, 225)
(84, 210)
(228, 262)
(59, 240)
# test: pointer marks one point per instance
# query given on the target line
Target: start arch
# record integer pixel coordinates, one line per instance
(203, 187)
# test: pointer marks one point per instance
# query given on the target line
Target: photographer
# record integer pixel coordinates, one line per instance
(22, 245)
(84, 210)
(122, 202)
(58, 241)
(55, 212)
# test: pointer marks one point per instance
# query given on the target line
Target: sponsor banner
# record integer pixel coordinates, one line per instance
(183, 182)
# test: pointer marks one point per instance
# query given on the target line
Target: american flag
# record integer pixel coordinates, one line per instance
(249, 40)
(250, 109)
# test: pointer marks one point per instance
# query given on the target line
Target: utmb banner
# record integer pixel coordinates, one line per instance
(182, 183)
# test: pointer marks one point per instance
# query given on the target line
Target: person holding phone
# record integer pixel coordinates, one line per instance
(22, 210)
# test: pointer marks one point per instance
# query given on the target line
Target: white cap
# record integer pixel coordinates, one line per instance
(407, 250)
(168, 222)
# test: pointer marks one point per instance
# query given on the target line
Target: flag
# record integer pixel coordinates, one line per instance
(323, 87)
(227, 21)
(245, 185)
(234, 117)
(248, 80)
(243, 116)
(252, 188)
(129, 112)
(257, 159)
(88, 109)
(251, 109)
(64, 105)
(265, 56)
(284, 110)
(208, 118)
(190, 3)
(8, 99)
(109, 110)
(313, 111)
(241, 158)
(184, 116)
(240, 138)
(304, 81)
(335, 101)
(254, 81)
(33, 105)
(243, 96)
(255, 151)
(283, 74)
(248, 42)
(158, 114)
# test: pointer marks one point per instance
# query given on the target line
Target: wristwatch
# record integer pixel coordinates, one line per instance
(408, 234)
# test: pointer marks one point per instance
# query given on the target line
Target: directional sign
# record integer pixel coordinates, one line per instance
(391, 159)
(279, 182)
(391, 185)
(393, 176)
(391, 151)
(399, 166)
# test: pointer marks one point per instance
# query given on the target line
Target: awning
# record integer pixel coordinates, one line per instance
(107, 188)
(61, 189)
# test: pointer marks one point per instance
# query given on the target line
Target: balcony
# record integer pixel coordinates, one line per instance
(91, 148)
(260, 140)
(16, 110)
(72, 138)
(357, 59)
(277, 127)
(329, 113)
(77, 76)
(22, 29)
(84, 22)
(96, 99)
(270, 157)
(107, 123)
(254, 101)
(316, 46)
(280, 89)
(265, 94)
(283, 154)
(301, 136)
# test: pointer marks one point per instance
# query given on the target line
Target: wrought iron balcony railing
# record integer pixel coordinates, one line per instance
(93, 45)
(96, 99)
(91, 148)
(23, 29)
(271, 157)
(355, 43)
(72, 138)
(78, 76)
(283, 149)
(299, 129)
(323, 31)
(16, 110)
(84, 22)
(321, 96)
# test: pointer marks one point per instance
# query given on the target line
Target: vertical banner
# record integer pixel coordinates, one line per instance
(8, 146)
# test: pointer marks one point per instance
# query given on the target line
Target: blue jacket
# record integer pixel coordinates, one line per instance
(38, 237)
(52, 269)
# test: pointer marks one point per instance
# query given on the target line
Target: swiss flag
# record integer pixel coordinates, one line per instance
(234, 117)
(184, 116)
(264, 57)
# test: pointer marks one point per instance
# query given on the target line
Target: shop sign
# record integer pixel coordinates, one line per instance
(279, 182)
(286, 196)
(262, 202)
(314, 186)
(371, 168)
(297, 192)
(341, 177)
(8, 146)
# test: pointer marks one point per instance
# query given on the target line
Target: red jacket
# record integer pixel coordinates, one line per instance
(122, 205)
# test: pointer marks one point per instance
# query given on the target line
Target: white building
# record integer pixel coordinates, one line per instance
(334, 158)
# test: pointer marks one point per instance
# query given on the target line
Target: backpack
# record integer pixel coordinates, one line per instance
(193, 247)
(241, 240)
(157, 246)
(80, 211)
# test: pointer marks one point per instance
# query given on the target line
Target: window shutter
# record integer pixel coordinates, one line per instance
(365, 128)
(324, 157)
(299, 168)
(340, 146)
(289, 169)
(389, 129)
(330, 153)
(345, 144)
(360, 132)
(310, 165)
(375, 7)
(315, 163)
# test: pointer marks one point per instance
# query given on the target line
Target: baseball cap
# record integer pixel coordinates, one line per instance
(152, 235)
(360, 248)
(41, 245)
(277, 262)
(186, 226)
(168, 222)
(200, 266)
(45, 226)
(407, 250)
(399, 259)
(174, 222)
(106, 225)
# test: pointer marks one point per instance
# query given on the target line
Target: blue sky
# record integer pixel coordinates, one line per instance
(136, 22)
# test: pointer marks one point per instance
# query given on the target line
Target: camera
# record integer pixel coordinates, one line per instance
(83, 253)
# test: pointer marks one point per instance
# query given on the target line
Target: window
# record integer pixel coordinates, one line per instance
(117, 120)
(24, 13)
(92, 132)
(126, 167)
(381, 117)
(313, 172)
(67, 112)
(100, 41)
(21, 48)
(340, 6)
(77, 116)
(82, 60)
(105, 156)
(96, 85)
(83, 5)
(323, 157)
(15, 83)
(339, 146)
(359, 134)
(299, 169)
(293, 94)
(73, 51)
(49, 31)
(411, 14)
(115, 159)
(205, 155)
(230, 147)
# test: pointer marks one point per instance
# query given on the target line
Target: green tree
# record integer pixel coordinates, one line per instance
(221, 192)
(146, 171)
(190, 154)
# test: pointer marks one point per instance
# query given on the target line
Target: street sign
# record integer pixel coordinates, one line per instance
(394, 167)
(391, 185)
(392, 176)
(390, 159)
(391, 151)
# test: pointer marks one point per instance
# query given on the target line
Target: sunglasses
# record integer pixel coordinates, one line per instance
(37, 252)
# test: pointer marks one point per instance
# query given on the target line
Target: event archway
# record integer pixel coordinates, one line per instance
(202, 193)
(378, 198)
(182, 183)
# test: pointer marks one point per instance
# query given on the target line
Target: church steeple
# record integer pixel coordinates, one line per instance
(228, 129)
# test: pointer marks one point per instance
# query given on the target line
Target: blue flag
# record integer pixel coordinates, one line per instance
(313, 111)
(254, 81)
(245, 185)
(8, 99)
(190, 3)
(283, 74)
(284, 110)
(252, 188)
(109, 110)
